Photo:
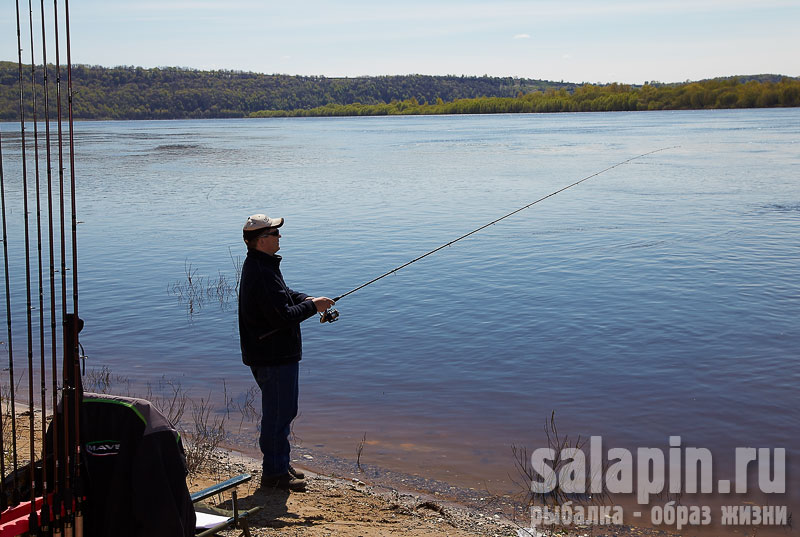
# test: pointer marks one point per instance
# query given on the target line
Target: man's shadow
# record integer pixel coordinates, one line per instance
(274, 512)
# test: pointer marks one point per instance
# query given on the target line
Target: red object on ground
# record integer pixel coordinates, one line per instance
(14, 520)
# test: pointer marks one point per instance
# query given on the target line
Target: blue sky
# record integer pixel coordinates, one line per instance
(572, 40)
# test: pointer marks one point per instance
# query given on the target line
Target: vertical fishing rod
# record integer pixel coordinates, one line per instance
(65, 499)
(53, 347)
(75, 352)
(44, 516)
(73, 204)
(15, 492)
(3, 496)
(33, 522)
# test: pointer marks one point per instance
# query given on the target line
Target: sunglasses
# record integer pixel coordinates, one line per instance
(272, 233)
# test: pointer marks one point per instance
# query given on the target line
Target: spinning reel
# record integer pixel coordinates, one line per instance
(328, 316)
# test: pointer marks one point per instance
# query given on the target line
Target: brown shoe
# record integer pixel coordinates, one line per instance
(283, 482)
(295, 473)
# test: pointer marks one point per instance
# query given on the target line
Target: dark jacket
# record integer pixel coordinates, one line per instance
(136, 470)
(133, 471)
(269, 313)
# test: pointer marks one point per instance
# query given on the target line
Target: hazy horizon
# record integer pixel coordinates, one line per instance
(575, 41)
(189, 68)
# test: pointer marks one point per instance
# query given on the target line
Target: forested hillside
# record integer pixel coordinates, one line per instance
(173, 93)
(709, 94)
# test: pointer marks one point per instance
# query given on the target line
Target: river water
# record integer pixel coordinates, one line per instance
(660, 298)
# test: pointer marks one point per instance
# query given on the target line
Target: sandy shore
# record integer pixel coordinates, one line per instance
(339, 506)
(352, 506)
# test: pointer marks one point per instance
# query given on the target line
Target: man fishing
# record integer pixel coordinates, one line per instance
(270, 314)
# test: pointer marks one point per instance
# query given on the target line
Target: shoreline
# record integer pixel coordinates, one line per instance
(370, 505)
(350, 504)
(371, 502)
(345, 499)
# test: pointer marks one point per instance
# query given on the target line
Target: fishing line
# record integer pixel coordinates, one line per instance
(331, 315)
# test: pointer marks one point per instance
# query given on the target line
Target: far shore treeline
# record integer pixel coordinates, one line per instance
(176, 93)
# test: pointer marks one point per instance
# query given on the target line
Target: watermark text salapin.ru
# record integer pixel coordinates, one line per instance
(682, 471)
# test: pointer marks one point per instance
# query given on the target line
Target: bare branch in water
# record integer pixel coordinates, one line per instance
(195, 290)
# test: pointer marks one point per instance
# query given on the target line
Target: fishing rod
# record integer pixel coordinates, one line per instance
(45, 512)
(60, 460)
(77, 481)
(15, 493)
(35, 521)
(3, 496)
(65, 525)
(332, 315)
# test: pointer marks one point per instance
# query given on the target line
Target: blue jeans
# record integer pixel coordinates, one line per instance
(279, 392)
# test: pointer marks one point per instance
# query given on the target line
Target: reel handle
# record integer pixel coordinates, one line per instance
(328, 316)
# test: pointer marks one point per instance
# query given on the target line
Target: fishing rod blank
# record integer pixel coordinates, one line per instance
(63, 451)
(44, 516)
(15, 492)
(50, 524)
(3, 501)
(65, 493)
(34, 521)
(331, 315)
(77, 394)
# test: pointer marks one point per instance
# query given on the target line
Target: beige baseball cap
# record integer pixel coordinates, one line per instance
(261, 221)
(256, 224)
